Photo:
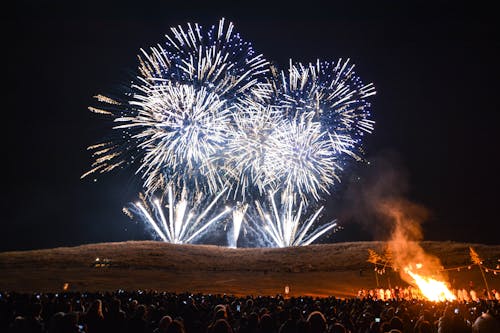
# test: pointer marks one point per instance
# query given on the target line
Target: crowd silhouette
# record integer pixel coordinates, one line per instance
(158, 312)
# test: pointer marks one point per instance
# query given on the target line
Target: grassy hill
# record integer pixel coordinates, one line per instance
(329, 269)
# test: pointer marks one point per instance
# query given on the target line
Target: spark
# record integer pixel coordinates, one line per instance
(106, 99)
(101, 111)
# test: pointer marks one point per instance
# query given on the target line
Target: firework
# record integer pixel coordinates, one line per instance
(297, 133)
(118, 150)
(218, 59)
(181, 131)
(305, 161)
(334, 94)
(208, 115)
(238, 215)
(188, 215)
(269, 152)
(248, 157)
(332, 91)
(176, 113)
(284, 226)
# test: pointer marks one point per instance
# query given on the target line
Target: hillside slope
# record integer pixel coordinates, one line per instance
(328, 269)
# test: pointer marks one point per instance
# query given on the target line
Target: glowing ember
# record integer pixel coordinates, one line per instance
(432, 289)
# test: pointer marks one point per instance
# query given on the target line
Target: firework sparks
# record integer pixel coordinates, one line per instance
(331, 90)
(207, 114)
(175, 117)
(181, 131)
(335, 95)
(183, 224)
(238, 215)
(284, 226)
(248, 158)
(218, 59)
(304, 159)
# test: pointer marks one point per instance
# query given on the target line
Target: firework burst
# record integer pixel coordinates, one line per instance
(188, 216)
(248, 154)
(284, 225)
(181, 131)
(332, 90)
(268, 151)
(334, 94)
(304, 160)
(175, 117)
(208, 115)
(217, 58)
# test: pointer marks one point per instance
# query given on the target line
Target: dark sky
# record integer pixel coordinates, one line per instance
(435, 67)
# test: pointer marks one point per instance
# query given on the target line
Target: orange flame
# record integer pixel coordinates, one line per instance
(432, 289)
(405, 218)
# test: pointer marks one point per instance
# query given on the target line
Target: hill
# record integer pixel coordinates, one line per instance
(338, 269)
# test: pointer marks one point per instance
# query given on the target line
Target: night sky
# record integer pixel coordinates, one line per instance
(435, 68)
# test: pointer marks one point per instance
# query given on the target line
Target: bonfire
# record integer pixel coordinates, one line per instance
(431, 288)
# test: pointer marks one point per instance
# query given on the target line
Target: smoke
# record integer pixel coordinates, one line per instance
(379, 203)
(405, 219)
(382, 182)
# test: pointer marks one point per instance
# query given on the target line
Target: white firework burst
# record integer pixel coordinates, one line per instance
(332, 91)
(304, 159)
(181, 131)
(247, 157)
(284, 226)
(190, 81)
(217, 58)
(189, 214)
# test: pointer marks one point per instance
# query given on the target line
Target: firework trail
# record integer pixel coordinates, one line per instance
(284, 225)
(189, 215)
(238, 215)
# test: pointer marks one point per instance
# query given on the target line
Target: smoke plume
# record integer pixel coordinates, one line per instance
(379, 202)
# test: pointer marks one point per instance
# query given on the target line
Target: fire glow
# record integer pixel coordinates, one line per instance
(432, 289)
(407, 255)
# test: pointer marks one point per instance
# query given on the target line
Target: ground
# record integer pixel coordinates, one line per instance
(339, 269)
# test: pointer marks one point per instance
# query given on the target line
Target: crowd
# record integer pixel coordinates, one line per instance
(157, 312)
